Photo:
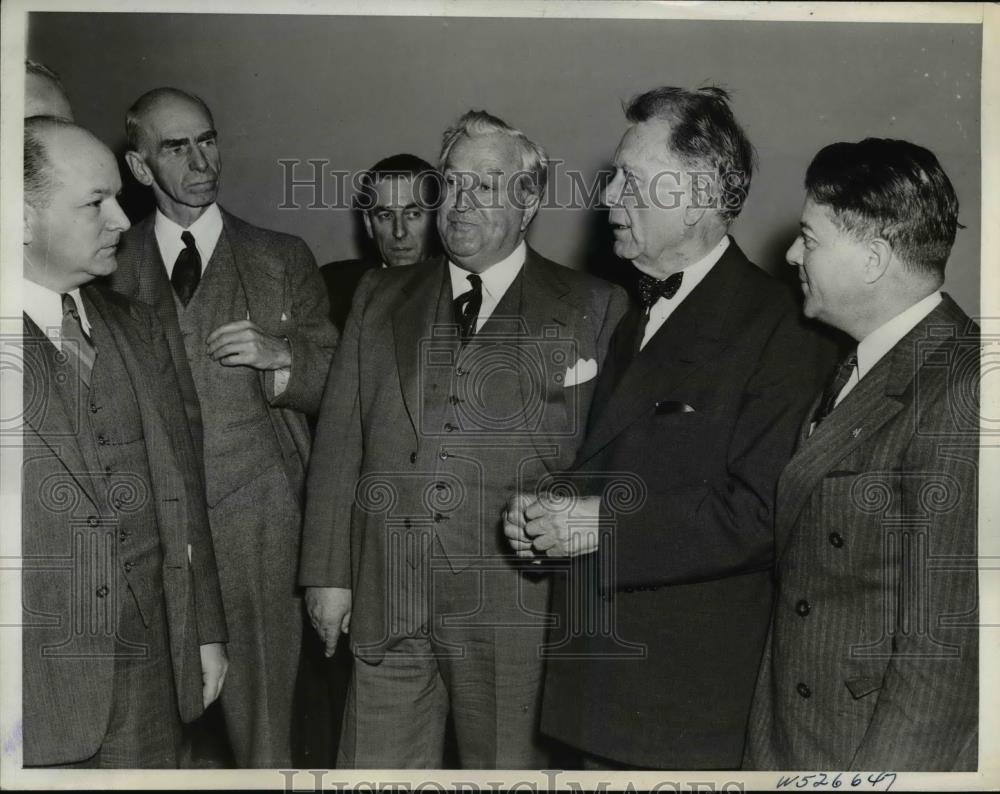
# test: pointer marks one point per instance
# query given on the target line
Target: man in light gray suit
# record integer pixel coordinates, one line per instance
(123, 631)
(459, 380)
(246, 318)
(872, 657)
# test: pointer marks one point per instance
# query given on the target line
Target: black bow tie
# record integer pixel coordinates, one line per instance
(652, 289)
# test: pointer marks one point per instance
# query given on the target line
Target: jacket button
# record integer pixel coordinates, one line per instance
(107, 470)
(836, 540)
(94, 408)
(413, 457)
(117, 504)
(444, 454)
(440, 486)
(449, 427)
(101, 591)
(438, 518)
(803, 608)
(91, 521)
(129, 566)
(101, 441)
(803, 690)
(459, 371)
(122, 536)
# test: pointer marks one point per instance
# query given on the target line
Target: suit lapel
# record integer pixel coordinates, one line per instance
(413, 321)
(45, 411)
(877, 398)
(693, 335)
(262, 278)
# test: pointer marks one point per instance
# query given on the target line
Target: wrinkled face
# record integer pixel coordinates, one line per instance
(401, 222)
(830, 263)
(647, 198)
(43, 97)
(179, 158)
(484, 214)
(72, 239)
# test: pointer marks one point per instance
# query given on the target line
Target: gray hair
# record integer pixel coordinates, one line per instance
(134, 131)
(534, 161)
(38, 178)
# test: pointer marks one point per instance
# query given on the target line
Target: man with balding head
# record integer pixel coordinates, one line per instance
(459, 379)
(123, 626)
(246, 319)
(44, 94)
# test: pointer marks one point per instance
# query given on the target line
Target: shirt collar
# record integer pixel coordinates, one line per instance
(696, 271)
(206, 231)
(880, 341)
(44, 307)
(496, 278)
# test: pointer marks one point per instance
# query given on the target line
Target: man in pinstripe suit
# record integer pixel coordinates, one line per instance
(872, 657)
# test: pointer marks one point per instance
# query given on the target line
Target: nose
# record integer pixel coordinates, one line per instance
(197, 160)
(117, 220)
(613, 192)
(793, 255)
(398, 226)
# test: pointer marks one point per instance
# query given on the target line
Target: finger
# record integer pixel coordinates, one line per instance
(519, 545)
(513, 515)
(240, 337)
(527, 554)
(513, 531)
(238, 325)
(330, 643)
(545, 542)
(534, 510)
(345, 624)
(537, 527)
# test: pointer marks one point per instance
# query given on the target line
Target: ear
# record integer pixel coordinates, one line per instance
(531, 203)
(29, 221)
(137, 165)
(879, 257)
(693, 214)
(368, 224)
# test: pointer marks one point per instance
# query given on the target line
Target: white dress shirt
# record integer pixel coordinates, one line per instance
(496, 281)
(44, 307)
(693, 274)
(206, 232)
(873, 347)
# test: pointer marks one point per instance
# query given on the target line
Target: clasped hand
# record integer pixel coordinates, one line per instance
(244, 344)
(559, 526)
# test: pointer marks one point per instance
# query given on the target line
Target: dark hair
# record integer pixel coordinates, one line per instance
(891, 189)
(38, 178)
(424, 176)
(133, 117)
(705, 134)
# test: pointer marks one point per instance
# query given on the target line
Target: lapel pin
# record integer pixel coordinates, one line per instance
(856, 432)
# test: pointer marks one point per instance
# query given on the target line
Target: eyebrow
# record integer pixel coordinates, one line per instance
(170, 143)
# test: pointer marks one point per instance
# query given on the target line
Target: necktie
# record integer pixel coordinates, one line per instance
(835, 387)
(187, 269)
(467, 306)
(652, 289)
(76, 345)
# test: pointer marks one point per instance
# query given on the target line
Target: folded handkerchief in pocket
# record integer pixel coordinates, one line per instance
(582, 371)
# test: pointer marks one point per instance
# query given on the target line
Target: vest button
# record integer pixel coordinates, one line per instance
(460, 372)
(91, 521)
(803, 690)
(449, 427)
(444, 454)
(101, 591)
(101, 441)
(836, 540)
(122, 536)
(803, 608)
(413, 457)
(128, 567)
(117, 504)
(94, 408)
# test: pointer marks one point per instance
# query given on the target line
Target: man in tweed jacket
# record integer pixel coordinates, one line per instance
(246, 318)
(872, 657)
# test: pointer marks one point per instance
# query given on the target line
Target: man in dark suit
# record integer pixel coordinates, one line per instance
(123, 626)
(664, 608)
(459, 380)
(872, 657)
(398, 203)
(246, 319)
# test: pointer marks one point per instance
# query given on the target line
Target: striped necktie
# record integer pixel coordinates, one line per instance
(76, 345)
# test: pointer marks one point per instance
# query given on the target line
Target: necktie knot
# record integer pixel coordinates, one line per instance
(652, 289)
(836, 386)
(467, 306)
(187, 269)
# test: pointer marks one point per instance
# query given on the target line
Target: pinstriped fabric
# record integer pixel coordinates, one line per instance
(872, 657)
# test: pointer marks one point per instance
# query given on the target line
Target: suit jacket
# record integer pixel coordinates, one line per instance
(653, 660)
(342, 280)
(379, 433)
(67, 688)
(872, 657)
(285, 296)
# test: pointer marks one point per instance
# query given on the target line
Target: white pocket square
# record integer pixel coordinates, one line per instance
(582, 371)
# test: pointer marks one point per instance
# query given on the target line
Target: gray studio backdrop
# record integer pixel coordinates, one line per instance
(351, 90)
